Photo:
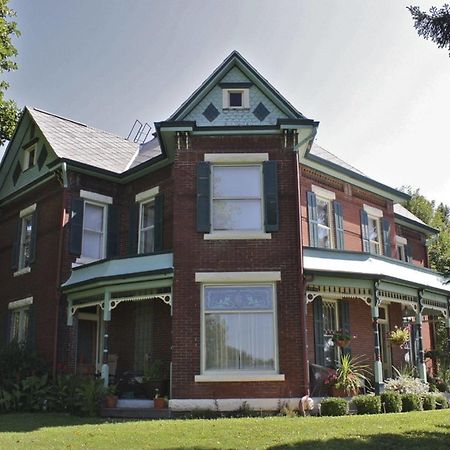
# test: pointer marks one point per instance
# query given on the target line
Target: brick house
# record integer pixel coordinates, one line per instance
(226, 249)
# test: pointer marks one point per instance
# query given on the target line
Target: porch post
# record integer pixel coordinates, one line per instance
(106, 319)
(421, 368)
(378, 367)
(69, 312)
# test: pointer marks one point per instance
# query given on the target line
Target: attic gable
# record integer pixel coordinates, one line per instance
(261, 104)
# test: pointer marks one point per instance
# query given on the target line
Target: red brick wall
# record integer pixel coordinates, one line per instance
(194, 254)
(416, 241)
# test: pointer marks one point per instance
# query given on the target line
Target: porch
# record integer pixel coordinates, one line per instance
(369, 295)
(120, 314)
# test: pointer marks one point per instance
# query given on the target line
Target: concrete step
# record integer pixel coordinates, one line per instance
(136, 413)
(134, 403)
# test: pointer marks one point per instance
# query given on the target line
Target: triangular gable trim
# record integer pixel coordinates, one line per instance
(235, 59)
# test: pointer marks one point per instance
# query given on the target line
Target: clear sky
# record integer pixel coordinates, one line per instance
(380, 92)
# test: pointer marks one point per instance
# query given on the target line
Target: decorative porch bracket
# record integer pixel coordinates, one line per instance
(378, 367)
(421, 368)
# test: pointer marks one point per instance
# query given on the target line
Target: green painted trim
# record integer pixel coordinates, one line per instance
(30, 143)
(236, 85)
(118, 279)
(341, 282)
(401, 220)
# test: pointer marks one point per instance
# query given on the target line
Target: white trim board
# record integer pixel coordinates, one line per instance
(95, 197)
(237, 277)
(20, 303)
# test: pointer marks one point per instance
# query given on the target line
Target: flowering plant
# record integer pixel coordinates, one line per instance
(341, 335)
(331, 378)
(399, 336)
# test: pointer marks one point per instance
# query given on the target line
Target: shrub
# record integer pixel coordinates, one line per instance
(367, 404)
(429, 401)
(334, 406)
(441, 401)
(406, 384)
(411, 402)
(391, 401)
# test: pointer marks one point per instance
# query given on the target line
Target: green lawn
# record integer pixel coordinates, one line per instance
(418, 430)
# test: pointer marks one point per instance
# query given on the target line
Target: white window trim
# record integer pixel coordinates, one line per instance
(84, 259)
(324, 193)
(230, 235)
(237, 277)
(23, 302)
(144, 196)
(26, 153)
(331, 224)
(245, 98)
(96, 197)
(401, 240)
(374, 212)
(236, 158)
(22, 271)
(27, 211)
(234, 376)
(379, 234)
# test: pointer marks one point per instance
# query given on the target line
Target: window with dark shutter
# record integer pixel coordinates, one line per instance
(15, 249)
(271, 216)
(339, 225)
(203, 197)
(76, 226)
(365, 231)
(133, 229)
(159, 222)
(386, 228)
(112, 244)
(33, 240)
(312, 220)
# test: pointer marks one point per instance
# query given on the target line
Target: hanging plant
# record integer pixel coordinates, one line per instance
(342, 338)
(399, 336)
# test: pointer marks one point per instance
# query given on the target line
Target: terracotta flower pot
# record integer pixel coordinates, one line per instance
(343, 342)
(341, 392)
(111, 401)
(160, 403)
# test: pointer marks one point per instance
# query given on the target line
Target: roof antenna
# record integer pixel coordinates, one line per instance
(139, 132)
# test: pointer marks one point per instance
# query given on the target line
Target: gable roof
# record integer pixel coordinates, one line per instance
(235, 59)
(78, 142)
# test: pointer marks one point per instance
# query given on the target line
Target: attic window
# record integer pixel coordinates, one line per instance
(235, 98)
(29, 157)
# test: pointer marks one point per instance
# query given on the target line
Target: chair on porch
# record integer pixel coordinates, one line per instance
(317, 376)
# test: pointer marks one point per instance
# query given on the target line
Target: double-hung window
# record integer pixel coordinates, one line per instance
(147, 227)
(375, 231)
(94, 231)
(326, 224)
(239, 328)
(26, 241)
(403, 250)
(19, 319)
(237, 196)
(30, 157)
(24, 247)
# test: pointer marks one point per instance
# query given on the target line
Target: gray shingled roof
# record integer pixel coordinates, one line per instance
(325, 154)
(79, 142)
(402, 211)
(147, 151)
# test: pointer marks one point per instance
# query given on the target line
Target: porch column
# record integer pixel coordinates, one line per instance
(106, 320)
(378, 367)
(69, 312)
(421, 368)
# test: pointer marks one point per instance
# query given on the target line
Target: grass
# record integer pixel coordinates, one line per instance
(415, 430)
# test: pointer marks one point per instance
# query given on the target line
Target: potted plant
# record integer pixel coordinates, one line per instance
(342, 337)
(153, 378)
(160, 402)
(399, 336)
(111, 396)
(348, 377)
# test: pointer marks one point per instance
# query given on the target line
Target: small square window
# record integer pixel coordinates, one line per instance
(235, 99)
(29, 157)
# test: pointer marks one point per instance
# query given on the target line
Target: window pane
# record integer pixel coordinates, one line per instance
(25, 244)
(93, 217)
(237, 182)
(237, 215)
(329, 326)
(15, 320)
(323, 216)
(92, 246)
(238, 298)
(148, 214)
(324, 237)
(373, 229)
(239, 341)
(235, 98)
(147, 241)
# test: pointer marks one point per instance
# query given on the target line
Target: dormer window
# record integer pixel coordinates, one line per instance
(235, 98)
(30, 157)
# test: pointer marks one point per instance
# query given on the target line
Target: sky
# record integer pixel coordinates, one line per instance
(380, 92)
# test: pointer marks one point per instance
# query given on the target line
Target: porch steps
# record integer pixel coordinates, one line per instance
(136, 409)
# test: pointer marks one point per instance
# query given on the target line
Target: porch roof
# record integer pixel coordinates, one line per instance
(368, 266)
(114, 270)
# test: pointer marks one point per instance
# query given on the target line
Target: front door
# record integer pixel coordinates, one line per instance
(385, 345)
(88, 341)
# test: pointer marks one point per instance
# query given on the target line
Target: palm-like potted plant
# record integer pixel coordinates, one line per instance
(349, 376)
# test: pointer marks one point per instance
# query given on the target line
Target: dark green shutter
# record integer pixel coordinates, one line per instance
(112, 244)
(16, 173)
(42, 157)
(344, 321)
(339, 224)
(7, 326)
(386, 227)
(319, 341)
(271, 217)
(133, 229)
(31, 332)
(159, 222)
(203, 197)
(312, 218)
(76, 226)
(365, 231)
(408, 251)
(15, 248)
(33, 243)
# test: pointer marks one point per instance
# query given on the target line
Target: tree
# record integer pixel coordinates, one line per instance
(9, 112)
(434, 25)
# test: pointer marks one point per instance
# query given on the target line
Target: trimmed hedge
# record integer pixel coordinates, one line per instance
(411, 402)
(391, 401)
(367, 404)
(334, 406)
(429, 402)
